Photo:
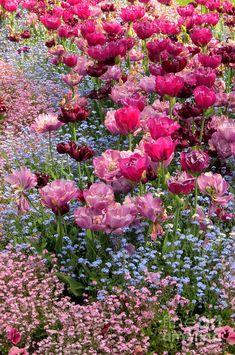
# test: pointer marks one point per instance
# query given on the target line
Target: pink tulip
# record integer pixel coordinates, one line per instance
(147, 84)
(133, 167)
(99, 195)
(182, 183)
(222, 147)
(132, 13)
(50, 22)
(17, 351)
(149, 206)
(22, 179)
(201, 36)
(118, 217)
(107, 165)
(162, 127)
(169, 84)
(204, 97)
(227, 130)
(58, 194)
(160, 149)
(216, 187)
(70, 60)
(185, 11)
(110, 123)
(89, 218)
(195, 161)
(209, 61)
(127, 119)
(46, 123)
(204, 76)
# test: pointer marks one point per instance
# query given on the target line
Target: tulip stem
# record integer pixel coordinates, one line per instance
(195, 206)
(177, 216)
(141, 189)
(196, 198)
(130, 141)
(51, 151)
(74, 132)
(202, 126)
(31, 203)
(59, 241)
(171, 105)
(79, 170)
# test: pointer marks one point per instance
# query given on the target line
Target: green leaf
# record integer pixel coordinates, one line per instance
(75, 287)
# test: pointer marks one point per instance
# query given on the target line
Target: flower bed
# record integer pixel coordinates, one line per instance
(117, 177)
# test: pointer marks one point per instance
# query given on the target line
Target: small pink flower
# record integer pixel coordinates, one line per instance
(17, 351)
(22, 179)
(13, 335)
(227, 333)
(46, 123)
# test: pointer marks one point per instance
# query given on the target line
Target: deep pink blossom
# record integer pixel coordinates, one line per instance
(201, 36)
(133, 167)
(169, 84)
(160, 149)
(194, 161)
(182, 183)
(162, 127)
(13, 335)
(204, 97)
(127, 119)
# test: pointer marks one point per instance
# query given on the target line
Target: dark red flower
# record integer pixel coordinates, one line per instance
(96, 70)
(73, 113)
(42, 180)
(174, 65)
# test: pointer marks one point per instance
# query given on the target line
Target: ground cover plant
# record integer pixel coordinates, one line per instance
(117, 177)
